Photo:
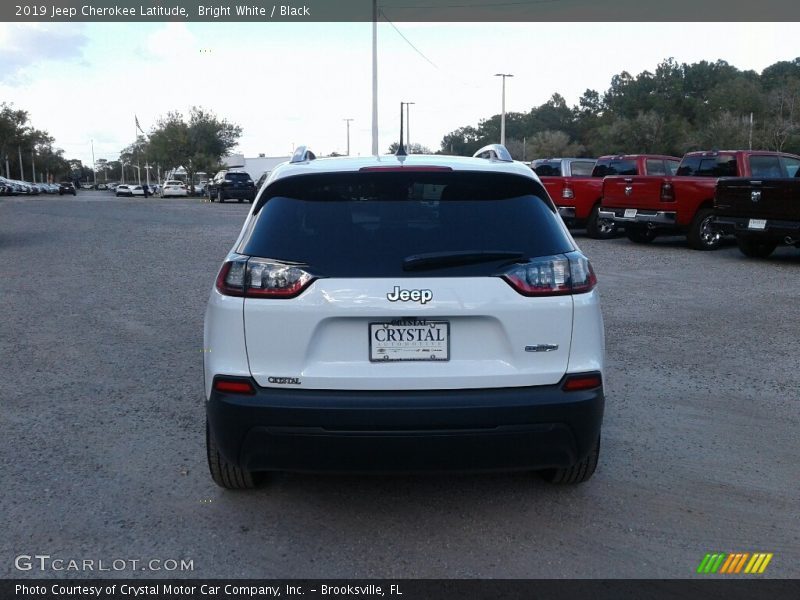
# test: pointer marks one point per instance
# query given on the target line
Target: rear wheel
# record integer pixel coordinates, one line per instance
(754, 248)
(577, 473)
(704, 234)
(597, 228)
(223, 473)
(639, 234)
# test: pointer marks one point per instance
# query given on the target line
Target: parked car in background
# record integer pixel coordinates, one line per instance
(66, 187)
(230, 184)
(102, 186)
(123, 190)
(762, 213)
(174, 188)
(5, 187)
(368, 319)
(112, 186)
(578, 197)
(683, 204)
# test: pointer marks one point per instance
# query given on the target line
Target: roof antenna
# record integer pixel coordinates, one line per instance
(401, 151)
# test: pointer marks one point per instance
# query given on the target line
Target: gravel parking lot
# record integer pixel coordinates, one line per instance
(103, 454)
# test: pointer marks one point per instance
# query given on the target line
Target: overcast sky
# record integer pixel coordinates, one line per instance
(292, 84)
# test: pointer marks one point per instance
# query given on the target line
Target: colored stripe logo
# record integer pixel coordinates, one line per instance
(734, 563)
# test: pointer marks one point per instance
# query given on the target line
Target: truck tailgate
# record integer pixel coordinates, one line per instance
(643, 191)
(765, 199)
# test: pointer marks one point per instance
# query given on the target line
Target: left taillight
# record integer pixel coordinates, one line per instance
(261, 278)
(552, 275)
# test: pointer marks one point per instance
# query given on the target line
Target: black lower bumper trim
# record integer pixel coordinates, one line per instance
(417, 430)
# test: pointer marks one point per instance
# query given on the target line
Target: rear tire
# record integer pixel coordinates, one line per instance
(577, 473)
(703, 234)
(754, 248)
(223, 473)
(640, 235)
(597, 228)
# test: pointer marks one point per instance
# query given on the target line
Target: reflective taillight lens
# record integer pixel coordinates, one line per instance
(567, 193)
(582, 381)
(552, 275)
(261, 278)
(234, 386)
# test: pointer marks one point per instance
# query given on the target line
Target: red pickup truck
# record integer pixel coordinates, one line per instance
(578, 197)
(684, 204)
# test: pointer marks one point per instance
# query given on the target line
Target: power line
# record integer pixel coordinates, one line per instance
(400, 33)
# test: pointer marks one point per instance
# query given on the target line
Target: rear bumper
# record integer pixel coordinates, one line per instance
(660, 218)
(475, 429)
(774, 228)
(239, 193)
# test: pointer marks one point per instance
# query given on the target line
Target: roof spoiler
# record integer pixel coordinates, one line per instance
(494, 152)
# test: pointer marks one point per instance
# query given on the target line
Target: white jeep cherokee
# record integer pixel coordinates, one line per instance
(403, 312)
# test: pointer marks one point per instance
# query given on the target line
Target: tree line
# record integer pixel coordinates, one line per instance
(672, 110)
(19, 139)
(197, 142)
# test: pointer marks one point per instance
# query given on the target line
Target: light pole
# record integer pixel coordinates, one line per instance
(94, 168)
(348, 134)
(408, 126)
(375, 77)
(503, 113)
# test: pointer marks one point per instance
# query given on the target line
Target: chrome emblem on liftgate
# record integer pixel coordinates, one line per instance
(628, 190)
(755, 195)
(541, 348)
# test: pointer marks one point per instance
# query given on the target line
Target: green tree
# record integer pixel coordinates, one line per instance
(197, 144)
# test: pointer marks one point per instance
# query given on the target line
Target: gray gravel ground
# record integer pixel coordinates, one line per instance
(102, 448)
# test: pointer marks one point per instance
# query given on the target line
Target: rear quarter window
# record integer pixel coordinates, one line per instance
(581, 168)
(549, 168)
(366, 224)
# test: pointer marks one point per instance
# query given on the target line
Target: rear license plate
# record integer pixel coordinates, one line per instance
(757, 224)
(630, 213)
(409, 340)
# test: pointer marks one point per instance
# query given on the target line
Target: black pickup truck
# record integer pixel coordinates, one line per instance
(762, 214)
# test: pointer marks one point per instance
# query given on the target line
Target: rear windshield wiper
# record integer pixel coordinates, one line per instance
(435, 260)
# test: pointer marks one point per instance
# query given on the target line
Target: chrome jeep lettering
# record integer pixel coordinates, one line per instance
(421, 296)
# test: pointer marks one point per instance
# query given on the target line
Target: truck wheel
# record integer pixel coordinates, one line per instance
(754, 248)
(600, 229)
(703, 233)
(577, 473)
(224, 473)
(639, 234)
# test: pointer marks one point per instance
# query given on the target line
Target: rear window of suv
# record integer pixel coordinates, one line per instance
(368, 224)
(237, 176)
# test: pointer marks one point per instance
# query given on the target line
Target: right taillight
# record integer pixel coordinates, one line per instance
(567, 193)
(552, 275)
(261, 278)
(667, 192)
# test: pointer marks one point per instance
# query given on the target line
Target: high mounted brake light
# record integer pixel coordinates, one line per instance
(420, 169)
